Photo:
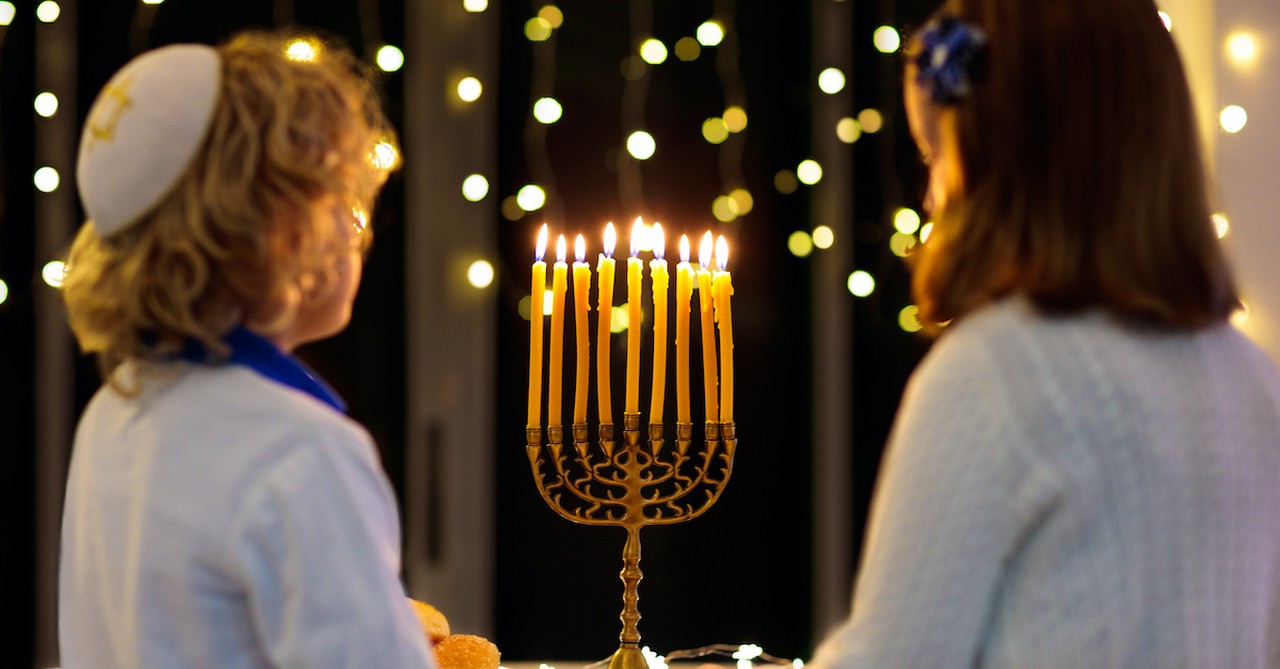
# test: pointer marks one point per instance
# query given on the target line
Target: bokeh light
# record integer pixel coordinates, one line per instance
(735, 119)
(7, 13)
(480, 274)
(1242, 49)
(385, 155)
(785, 182)
(475, 6)
(861, 283)
(653, 51)
(1241, 315)
(301, 50)
(552, 15)
(724, 209)
(909, 319)
(390, 58)
(4, 291)
(831, 80)
(537, 29)
(1233, 118)
(824, 237)
(475, 187)
(470, 89)
(710, 33)
(547, 110)
(900, 244)
(714, 130)
(906, 220)
(870, 120)
(887, 39)
(46, 104)
(48, 11)
(848, 130)
(800, 244)
(641, 145)
(46, 179)
(687, 49)
(1165, 19)
(531, 197)
(744, 200)
(1220, 224)
(809, 172)
(54, 273)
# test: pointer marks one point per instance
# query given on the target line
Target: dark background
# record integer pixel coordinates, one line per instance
(738, 574)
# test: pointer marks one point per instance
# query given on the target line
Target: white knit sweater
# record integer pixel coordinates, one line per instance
(1070, 492)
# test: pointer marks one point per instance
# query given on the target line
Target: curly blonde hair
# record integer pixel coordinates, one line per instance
(235, 240)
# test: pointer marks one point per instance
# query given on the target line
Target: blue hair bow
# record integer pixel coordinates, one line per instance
(951, 58)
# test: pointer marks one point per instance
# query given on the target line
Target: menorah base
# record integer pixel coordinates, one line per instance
(628, 657)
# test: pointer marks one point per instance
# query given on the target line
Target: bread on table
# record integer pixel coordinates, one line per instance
(454, 651)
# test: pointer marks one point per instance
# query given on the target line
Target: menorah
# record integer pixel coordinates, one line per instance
(636, 483)
(632, 486)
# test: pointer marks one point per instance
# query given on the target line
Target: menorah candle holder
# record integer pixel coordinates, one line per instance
(632, 485)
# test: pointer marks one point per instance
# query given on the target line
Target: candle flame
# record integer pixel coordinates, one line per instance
(722, 253)
(659, 242)
(560, 249)
(580, 248)
(684, 248)
(542, 243)
(704, 251)
(610, 239)
(637, 236)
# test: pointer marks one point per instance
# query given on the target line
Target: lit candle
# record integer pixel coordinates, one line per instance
(684, 291)
(582, 307)
(724, 316)
(706, 301)
(604, 312)
(537, 299)
(554, 417)
(635, 275)
(661, 280)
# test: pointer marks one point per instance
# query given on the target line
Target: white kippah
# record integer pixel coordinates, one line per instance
(143, 130)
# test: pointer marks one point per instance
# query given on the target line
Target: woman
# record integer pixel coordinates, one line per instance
(1085, 469)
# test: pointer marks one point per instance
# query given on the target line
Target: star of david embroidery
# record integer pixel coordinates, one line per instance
(107, 112)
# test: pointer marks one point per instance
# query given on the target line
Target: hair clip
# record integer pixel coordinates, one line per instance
(951, 59)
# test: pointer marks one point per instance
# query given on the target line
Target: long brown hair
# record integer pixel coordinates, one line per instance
(1082, 178)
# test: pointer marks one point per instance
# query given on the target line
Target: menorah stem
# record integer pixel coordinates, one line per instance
(628, 655)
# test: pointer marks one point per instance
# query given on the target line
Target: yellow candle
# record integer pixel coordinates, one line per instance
(582, 307)
(684, 291)
(661, 280)
(706, 302)
(635, 275)
(554, 417)
(536, 300)
(724, 315)
(604, 312)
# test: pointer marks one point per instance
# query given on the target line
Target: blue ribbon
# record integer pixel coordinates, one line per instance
(260, 355)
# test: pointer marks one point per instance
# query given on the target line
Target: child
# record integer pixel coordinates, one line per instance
(1085, 469)
(221, 511)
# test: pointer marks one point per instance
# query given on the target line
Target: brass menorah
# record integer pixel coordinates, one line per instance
(631, 486)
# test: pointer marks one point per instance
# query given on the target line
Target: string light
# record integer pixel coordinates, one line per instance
(809, 172)
(710, 33)
(475, 187)
(641, 145)
(469, 89)
(480, 274)
(909, 319)
(1233, 119)
(54, 273)
(537, 29)
(800, 244)
(848, 130)
(475, 6)
(46, 104)
(531, 197)
(389, 58)
(861, 283)
(715, 130)
(653, 51)
(886, 39)
(687, 49)
(824, 237)
(870, 120)
(1220, 224)
(1242, 49)
(547, 110)
(831, 80)
(47, 179)
(48, 11)
(7, 13)
(906, 220)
